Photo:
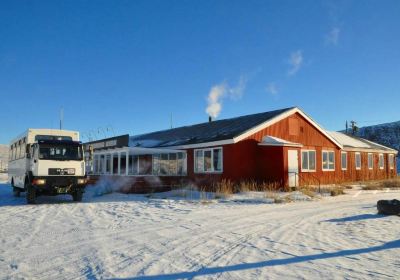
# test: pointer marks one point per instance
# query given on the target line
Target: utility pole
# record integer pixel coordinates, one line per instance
(347, 127)
(61, 117)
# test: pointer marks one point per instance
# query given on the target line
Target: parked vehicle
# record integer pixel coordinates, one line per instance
(389, 207)
(47, 162)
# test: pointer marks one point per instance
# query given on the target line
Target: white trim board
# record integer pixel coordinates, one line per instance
(365, 150)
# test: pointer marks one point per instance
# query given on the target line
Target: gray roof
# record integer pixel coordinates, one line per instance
(350, 141)
(204, 132)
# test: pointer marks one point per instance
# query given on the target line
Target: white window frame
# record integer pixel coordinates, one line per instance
(212, 160)
(391, 161)
(383, 161)
(322, 160)
(372, 161)
(355, 160)
(308, 155)
(341, 160)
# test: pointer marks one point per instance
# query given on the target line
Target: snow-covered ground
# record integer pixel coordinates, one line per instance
(3, 178)
(121, 236)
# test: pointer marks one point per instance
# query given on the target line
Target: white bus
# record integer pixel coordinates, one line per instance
(47, 162)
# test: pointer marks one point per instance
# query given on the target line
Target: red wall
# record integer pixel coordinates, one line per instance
(246, 160)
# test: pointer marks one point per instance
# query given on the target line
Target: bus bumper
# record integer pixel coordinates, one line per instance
(53, 185)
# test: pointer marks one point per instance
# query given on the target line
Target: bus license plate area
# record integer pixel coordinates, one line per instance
(62, 189)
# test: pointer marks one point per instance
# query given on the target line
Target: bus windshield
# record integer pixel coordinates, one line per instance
(60, 152)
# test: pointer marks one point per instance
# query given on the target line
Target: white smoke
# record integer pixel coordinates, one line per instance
(221, 91)
(107, 185)
(215, 100)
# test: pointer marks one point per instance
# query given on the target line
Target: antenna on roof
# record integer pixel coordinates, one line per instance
(61, 117)
(111, 128)
(347, 127)
(171, 121)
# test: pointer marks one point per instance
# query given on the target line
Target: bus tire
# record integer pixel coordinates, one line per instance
(77, 195)
(30, 194)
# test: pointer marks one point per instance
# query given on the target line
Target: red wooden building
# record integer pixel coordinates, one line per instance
(285, 146)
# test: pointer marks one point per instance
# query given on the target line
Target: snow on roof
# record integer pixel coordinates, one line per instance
(275, 141)
(351, 141)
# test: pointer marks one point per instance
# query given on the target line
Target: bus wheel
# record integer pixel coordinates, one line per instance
(77, 195)
(30, 195)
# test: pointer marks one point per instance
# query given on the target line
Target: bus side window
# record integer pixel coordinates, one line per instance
(10, 153)
(19, 150)
(23, 148)
(27, 151)
(14, 151)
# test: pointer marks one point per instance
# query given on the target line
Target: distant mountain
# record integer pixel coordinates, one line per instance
(387, 134)
(3, 156)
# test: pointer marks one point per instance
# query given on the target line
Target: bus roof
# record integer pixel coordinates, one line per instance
(32, 132)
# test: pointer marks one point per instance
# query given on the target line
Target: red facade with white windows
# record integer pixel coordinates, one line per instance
(289, 149)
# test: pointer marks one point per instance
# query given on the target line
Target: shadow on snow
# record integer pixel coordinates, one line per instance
(356, 218)
(293, 260)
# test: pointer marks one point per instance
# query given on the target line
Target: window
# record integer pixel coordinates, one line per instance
(164, 164)
(101, 164)
(115, 163)
(18, 150)
(10, 154)
(370, 161)
(208, 160)
(123, 163)
(391, 161)
(308, 161)
(217, 160)
(15, 151)
(108, 164)
(23, 147)
(381, 161)
(344, 160)
(181, 163)
(96, 164)
(358, 161)
(134, 165)
(328, 160)
(169, 164)
(198, 161)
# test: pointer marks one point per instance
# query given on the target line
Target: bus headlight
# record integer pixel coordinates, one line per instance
(39, 182)
(81, 181)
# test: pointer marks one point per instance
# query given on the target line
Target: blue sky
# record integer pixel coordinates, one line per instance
(129, 65)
